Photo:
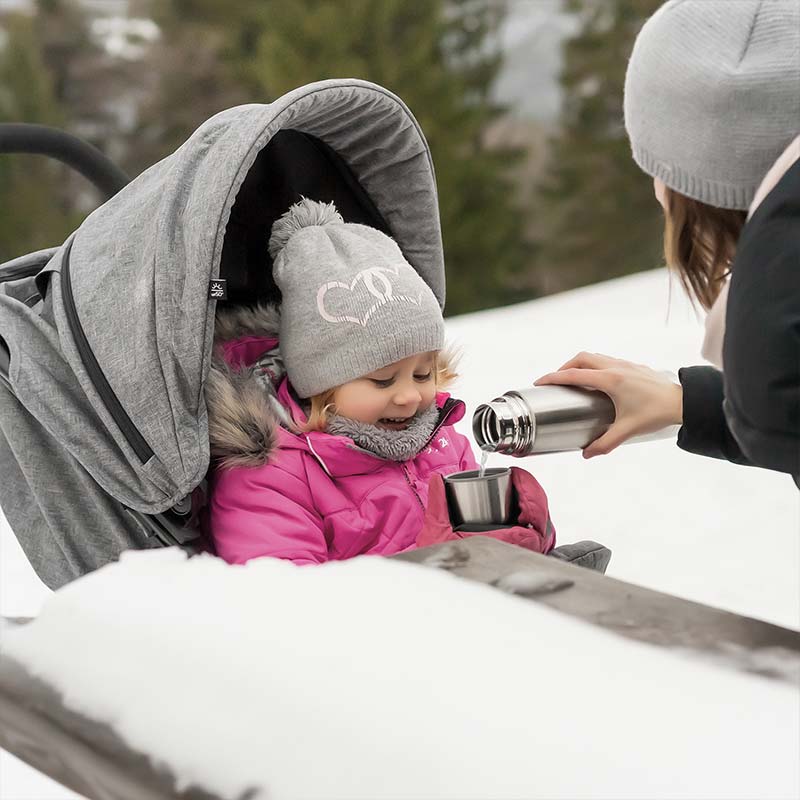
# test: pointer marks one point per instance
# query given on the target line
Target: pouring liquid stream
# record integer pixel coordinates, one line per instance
(484, 457)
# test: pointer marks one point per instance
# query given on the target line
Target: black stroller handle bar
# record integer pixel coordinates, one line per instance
(20, 137)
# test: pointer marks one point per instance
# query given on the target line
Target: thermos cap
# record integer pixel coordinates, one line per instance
(504, 426)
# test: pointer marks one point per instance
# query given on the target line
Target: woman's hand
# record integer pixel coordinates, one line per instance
(645, 400)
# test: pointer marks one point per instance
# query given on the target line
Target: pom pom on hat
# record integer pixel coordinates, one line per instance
(303, 214)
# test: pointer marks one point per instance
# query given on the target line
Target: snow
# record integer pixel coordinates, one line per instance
(378, 679)
(453, 692)
(124, 37)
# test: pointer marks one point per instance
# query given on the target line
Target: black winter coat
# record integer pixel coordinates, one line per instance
(751, 415)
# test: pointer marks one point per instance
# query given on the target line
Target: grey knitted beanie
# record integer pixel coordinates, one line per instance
(712, 95)
(351, 302)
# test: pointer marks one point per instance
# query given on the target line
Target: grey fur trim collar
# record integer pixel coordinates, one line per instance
(241, 416)
(241, 420)
(259, 320)
(391, 445)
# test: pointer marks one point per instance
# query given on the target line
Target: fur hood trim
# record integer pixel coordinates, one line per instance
(242, 421)
(242, 425)
(233, 323)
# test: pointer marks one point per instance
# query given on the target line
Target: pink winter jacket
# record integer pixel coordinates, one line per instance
(310, 497)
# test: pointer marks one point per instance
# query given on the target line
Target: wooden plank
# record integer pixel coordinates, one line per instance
(635, 612)
(80, 753)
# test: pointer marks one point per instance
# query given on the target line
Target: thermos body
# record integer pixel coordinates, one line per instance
(548, 419)
(542, 419)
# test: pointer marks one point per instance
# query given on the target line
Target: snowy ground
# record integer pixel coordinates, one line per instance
(710, 531)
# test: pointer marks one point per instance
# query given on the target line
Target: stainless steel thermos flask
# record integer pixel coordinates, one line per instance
(546, 419)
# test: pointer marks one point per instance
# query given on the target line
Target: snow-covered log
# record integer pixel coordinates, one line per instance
(185, 699)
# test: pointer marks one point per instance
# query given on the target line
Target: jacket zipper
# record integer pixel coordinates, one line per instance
(448, 408)
(411, 486)
(92, 367)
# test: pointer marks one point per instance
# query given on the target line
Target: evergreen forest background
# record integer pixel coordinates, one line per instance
(520, 100)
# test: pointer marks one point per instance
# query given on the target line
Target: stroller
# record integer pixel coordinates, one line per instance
(105, 342)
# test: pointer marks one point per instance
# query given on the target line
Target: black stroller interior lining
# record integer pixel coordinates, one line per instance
(293, 164)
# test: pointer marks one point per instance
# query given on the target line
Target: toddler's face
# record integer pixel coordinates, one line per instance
(390, 396)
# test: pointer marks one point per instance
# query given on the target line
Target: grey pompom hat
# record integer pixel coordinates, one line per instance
(351, 302)
(712, 95)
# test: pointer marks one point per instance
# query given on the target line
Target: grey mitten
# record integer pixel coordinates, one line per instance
(584, 554)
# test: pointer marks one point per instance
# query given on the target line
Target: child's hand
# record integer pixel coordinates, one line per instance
(531, 528)
(645, 400)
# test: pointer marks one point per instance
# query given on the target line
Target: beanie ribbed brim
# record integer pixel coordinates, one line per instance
(348, 364)
(714, 193)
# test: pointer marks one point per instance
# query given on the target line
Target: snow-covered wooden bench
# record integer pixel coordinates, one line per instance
(87, 756)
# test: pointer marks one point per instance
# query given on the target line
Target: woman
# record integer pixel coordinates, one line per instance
(712, 111)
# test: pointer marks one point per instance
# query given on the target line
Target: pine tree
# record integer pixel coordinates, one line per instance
(599, 218)
(433, 54)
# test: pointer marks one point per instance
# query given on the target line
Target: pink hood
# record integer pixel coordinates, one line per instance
(308, 497)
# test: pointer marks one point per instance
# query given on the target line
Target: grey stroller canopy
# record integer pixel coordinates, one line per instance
(105, 342)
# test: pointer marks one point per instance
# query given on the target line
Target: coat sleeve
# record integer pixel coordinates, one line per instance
(751, 414)
(265, 511)
(761, 350)
(705, 430)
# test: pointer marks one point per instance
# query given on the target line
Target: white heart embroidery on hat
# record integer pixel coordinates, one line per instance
(384, 294)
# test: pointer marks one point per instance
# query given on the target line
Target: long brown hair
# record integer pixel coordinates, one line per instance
(700, 243)
(322, 405)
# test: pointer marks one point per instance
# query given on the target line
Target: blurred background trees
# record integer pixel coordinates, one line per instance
(598, 215)
(521, 102)
(33, 211)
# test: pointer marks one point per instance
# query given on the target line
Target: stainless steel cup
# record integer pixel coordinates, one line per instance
(479, 500)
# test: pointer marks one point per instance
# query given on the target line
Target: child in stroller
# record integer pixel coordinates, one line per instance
(327, 419)
(106, 341)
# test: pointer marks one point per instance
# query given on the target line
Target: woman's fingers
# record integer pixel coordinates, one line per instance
(616, 435)
(581, 361)
(586, 360)
(644, 400)
(576, 376)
